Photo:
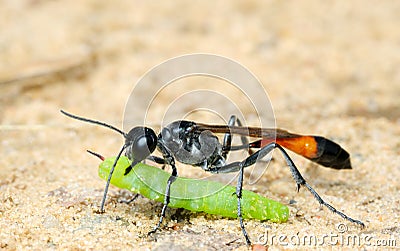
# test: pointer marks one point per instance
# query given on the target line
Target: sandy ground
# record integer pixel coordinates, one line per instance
(330, 68)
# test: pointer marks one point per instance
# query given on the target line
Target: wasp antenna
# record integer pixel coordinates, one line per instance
(94, 122)
(98, 155)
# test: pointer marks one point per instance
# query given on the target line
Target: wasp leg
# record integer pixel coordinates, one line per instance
(227, 143)
(156, 159)
(169, 159)
(300, 181)
(129, 201)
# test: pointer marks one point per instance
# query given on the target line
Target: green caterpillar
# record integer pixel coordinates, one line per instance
(194, 195)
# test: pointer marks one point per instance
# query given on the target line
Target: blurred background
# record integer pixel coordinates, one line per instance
(330, 68)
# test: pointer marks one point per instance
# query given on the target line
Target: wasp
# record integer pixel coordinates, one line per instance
(197, 144)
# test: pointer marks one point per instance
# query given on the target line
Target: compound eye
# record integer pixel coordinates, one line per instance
(141, 141)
